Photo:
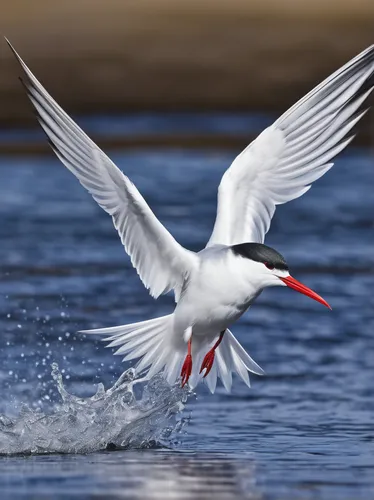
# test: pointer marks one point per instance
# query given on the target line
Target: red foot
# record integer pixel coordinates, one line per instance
(186, 370)
(187, 365)
(209, 357)
(207, 362)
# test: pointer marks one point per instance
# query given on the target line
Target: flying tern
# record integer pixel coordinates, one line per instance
(215, 286)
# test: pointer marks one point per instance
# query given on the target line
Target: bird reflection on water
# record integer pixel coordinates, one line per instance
(139, 475)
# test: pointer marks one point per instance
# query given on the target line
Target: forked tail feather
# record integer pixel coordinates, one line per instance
(151, 341)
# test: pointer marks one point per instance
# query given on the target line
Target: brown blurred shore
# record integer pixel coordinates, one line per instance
(185, 141)
(132, 55)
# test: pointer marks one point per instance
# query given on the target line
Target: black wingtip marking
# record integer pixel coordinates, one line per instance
(25, 79)
(24, 84)
(50, 142)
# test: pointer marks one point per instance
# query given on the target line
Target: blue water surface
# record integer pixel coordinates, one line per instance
(304, 430)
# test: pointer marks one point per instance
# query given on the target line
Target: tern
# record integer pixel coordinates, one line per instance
(215, 286)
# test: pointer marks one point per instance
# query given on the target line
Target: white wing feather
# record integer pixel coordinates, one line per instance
(160, 261)
(283, 162)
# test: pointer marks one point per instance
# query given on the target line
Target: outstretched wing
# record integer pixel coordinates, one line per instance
(283, 162)
(160, 261)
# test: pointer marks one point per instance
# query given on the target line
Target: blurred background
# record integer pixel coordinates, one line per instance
(172, 91)
(161, 55)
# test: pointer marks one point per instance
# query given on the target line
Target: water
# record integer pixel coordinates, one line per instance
(112, 419)
(305, 430)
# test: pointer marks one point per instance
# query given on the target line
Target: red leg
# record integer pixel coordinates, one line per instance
(187, 366)
(209, 357)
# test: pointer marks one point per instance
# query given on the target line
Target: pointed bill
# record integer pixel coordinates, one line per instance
(299, 287)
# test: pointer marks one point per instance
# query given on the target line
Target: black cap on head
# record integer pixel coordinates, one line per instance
(261, 253)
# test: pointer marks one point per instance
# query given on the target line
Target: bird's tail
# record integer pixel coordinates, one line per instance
(230, 358)
(151, 341)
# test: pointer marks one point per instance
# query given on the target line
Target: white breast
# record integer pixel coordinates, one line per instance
(216, 295)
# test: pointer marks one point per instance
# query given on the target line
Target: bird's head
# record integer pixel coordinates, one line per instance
(269, 268)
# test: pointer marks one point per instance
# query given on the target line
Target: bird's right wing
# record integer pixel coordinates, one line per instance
(285, 160)
(160, 261)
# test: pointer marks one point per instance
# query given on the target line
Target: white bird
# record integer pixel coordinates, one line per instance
(215, 286)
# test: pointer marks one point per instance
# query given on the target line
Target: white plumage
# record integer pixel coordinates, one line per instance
(214, 287)
(283, 162)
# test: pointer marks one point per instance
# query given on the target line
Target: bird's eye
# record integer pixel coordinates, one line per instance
(269, 266)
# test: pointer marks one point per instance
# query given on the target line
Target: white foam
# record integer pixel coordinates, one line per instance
(133, 413)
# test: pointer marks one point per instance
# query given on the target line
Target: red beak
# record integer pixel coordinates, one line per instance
(299, 287)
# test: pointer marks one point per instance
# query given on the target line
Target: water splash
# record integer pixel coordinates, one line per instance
(133, 413)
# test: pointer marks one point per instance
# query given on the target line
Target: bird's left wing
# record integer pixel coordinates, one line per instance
(162, 264)
(283, 162)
